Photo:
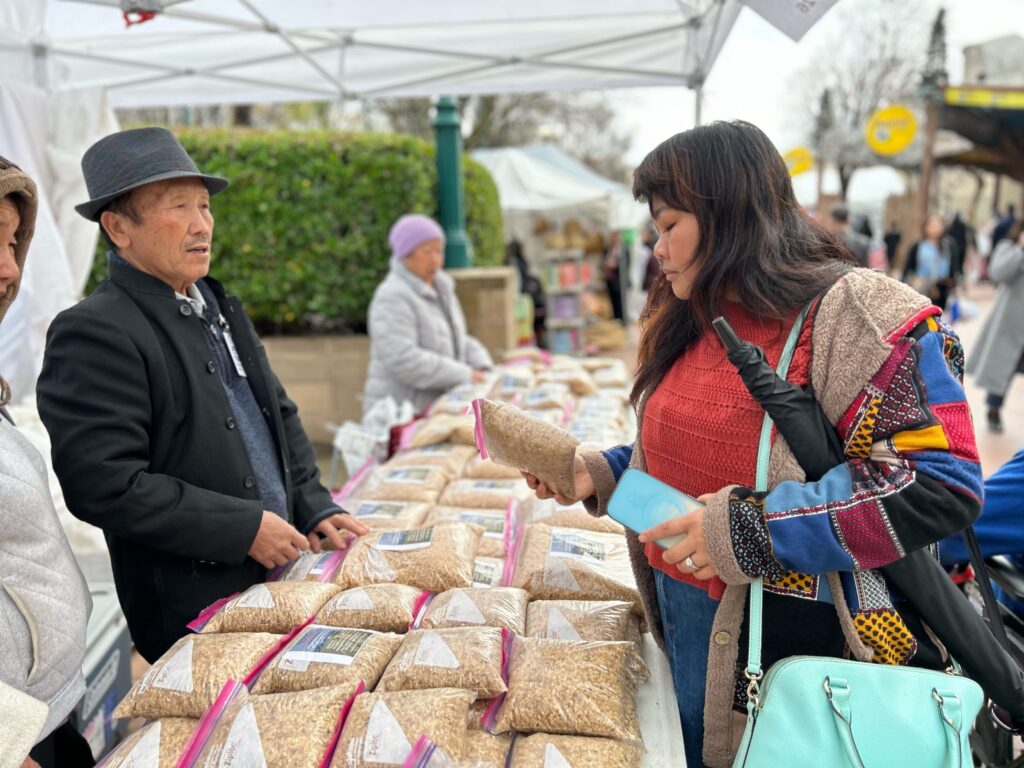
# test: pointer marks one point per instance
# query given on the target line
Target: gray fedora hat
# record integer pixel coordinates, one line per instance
(123, 161)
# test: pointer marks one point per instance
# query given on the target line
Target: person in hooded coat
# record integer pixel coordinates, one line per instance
(44, 601)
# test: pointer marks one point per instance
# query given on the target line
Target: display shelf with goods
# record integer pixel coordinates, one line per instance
(566, 275)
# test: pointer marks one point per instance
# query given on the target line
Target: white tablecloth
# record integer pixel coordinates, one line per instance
(659, 713)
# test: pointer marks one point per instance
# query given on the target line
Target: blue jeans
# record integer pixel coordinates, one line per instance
(687, 614)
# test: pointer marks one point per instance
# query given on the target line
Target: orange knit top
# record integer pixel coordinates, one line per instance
(701, 426)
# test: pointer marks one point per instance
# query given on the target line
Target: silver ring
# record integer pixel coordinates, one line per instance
(689, 563)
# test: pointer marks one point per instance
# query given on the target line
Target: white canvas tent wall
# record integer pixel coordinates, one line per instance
(79, 52)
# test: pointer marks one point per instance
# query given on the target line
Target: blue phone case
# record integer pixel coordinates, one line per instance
(641, 502)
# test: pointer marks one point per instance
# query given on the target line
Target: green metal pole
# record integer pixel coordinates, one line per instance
(458, 252)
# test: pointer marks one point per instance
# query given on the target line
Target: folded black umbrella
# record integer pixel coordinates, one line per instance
(918, 576)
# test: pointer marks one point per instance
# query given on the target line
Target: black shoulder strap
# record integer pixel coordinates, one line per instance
(995, 620)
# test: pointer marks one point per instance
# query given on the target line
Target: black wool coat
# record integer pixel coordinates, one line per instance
(145, 447)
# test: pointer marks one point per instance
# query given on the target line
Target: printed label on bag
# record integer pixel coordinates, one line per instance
(513, 383)
(379, 510)
(176, 673)
(324, 645)
(254, 597)
(559, 627)
(354, 600)
(408, 475)
(493, 525)
(485, 573)
(462, 609)
(487, 485)
(433, 651)
(553, 758)
(385, 741)
(400, 541)
(576, 546)
(146, 751)
(242, 748)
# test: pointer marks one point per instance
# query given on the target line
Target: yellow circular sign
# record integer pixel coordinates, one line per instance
(798, 160)
(891, 130)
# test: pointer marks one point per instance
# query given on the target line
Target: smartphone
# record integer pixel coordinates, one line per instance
(641, 502)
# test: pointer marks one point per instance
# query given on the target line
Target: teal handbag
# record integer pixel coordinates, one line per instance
(813, 711)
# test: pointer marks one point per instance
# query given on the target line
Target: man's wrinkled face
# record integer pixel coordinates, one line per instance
(171, 236)
(10, 220)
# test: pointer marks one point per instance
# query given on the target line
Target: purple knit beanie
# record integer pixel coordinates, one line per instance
(409, 231)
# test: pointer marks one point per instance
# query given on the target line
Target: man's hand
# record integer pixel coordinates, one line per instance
(30, 763)
(583, 481)
(332, 528)
(277, 542)
(478, 376)
(691, 546)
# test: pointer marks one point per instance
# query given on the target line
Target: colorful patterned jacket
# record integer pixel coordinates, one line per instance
(888, 375)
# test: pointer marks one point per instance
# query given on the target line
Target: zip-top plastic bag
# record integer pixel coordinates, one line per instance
(442, 428)
(387, 515)
(479, 468)
(437, 558)
(456, 401)
(545, 750)
(276, 606)
(501, 607)
(408, 483)
(488, 572)
(311, 566)
(382, 728)
(495, 523)
(513, 437)
(550, 512)
(278, 730)
(466, 657)
(593, 620)
(381, 607)
(569, 564)
(158, 744)
(484, 494)
(573, 688)
(487, 750)
(187, 679)
(450, 457)
(320, 656)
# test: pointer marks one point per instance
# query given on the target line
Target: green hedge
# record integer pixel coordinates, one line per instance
(301, 233)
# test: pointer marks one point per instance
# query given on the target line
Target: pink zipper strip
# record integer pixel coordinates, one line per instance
(332, 745)
(199, 622)
(209, 720)
(419, 608)
(478, 429)
(276, 649)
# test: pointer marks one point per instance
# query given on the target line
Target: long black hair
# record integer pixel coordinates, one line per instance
(756, 242)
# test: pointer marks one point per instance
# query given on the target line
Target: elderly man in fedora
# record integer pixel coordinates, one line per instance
(169, 429)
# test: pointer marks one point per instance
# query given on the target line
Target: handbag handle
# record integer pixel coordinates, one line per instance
(753, 671)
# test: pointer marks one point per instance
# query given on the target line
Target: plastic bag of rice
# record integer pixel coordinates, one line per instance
(277, 730)
(594, 620)
(158, 744)
(488, 571)
(310, 566)
(553, 395)
(569, 564)
(465, 657)
(321, 655)
(578, 380)
(493, 521)
(486, 750)
(442, 428)
(605, 678)
(515, 438)
(403, 484)
(455, 401)
(186, 680)
(556, 417)
(543, 749)
(449, 457)
(502, 607)
(380, 607)
(437, 558)
(387, 515)
(514, 381)
(485, 469)
(381, 728)
(277, 606)
(550, 512)
(484, 494)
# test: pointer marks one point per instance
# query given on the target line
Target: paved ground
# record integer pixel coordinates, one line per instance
(995, 449)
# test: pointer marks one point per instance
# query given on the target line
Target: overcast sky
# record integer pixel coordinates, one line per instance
(751, 80)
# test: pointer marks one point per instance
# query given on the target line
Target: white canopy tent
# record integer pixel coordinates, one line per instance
(65, 63)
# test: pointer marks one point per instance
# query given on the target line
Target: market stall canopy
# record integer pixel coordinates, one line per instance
(249, 51)
(992, 119)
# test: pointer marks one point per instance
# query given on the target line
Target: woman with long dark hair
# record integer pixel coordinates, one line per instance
(733, 241)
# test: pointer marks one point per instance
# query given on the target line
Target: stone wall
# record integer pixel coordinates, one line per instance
(325, 375)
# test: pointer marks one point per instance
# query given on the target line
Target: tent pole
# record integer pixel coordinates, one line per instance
(458, 250)
(698, 103)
